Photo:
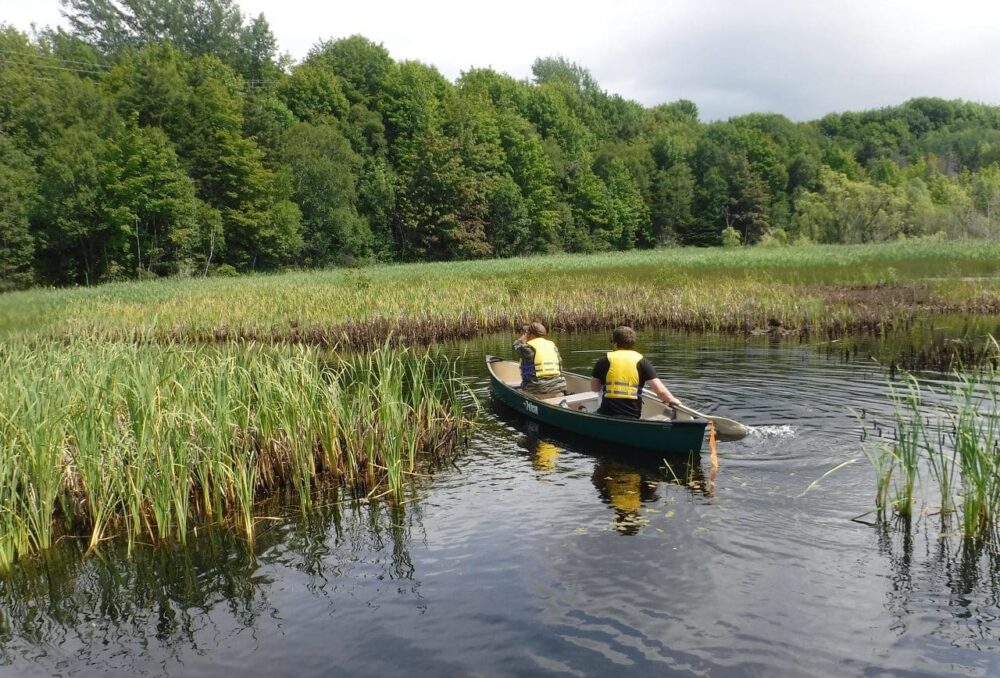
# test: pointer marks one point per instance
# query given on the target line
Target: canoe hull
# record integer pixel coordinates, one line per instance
(665, 437)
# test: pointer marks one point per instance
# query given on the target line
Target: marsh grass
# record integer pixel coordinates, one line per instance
(955, 436)
(974, 435)
(100, 439)
(814, 290)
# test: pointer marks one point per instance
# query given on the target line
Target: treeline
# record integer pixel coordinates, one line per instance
(169, 138)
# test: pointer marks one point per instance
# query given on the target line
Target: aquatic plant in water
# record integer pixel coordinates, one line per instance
(101, 439)
(957, 441)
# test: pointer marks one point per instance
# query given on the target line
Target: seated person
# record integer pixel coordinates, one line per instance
(541, 366)
(621, 374)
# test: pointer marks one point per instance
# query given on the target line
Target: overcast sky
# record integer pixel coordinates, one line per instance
(802, 58)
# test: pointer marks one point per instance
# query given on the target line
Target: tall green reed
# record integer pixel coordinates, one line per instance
(102, 439)
(906, 449)
(955, 435)
(974, 434)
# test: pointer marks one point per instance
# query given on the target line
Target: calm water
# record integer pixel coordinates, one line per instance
(538, 553)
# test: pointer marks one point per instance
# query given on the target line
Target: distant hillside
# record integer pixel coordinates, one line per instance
(177, 144)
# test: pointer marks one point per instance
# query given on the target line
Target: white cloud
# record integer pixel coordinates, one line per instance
(22, 14)
(797, 57)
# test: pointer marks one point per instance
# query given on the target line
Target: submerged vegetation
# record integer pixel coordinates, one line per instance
(103, 439)
(954, 444)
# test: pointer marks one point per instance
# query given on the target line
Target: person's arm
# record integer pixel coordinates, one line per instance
(523, 348)
(657, 387)
(648, 374)
(595, 384)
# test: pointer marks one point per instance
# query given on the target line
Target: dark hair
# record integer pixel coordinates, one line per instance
(536, 328)
(623, 336)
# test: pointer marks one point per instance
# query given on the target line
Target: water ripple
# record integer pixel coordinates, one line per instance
(535, 553)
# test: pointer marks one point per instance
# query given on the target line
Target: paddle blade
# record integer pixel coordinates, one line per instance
(727, 429)
(730, 429)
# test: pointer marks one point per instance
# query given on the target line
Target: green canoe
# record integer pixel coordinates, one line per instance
(661, 428)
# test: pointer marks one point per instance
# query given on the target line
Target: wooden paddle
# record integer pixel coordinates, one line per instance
(728, 428)
(724, 426)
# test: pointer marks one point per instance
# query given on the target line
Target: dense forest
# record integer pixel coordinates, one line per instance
(168, 137)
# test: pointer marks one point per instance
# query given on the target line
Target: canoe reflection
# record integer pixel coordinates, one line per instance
(626, 480)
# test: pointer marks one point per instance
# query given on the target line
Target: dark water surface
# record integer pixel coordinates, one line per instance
(540, 553)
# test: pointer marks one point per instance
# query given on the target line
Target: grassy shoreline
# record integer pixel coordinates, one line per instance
(815, 290)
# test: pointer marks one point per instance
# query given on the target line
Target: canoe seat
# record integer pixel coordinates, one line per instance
(577, 397)
(581, 402)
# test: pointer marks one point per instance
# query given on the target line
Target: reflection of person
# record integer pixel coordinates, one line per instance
(625, 489)
(621, 374)
(541, 366)
(545, 456)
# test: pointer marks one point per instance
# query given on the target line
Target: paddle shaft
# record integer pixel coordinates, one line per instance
(725, 426)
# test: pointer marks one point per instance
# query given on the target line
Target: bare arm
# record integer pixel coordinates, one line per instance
(657, 387)
(595, 384)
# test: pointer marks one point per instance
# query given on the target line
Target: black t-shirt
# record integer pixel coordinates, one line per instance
(622, 407)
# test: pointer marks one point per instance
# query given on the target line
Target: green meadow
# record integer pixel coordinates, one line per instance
(817, 289)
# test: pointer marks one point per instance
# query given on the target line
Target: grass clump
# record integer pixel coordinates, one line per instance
(957, 442)
(100, 439)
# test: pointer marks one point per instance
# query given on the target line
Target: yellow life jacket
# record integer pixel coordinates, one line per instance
(623, 375)
(547, 362)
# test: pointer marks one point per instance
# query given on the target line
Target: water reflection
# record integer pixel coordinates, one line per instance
(80, 606)
(123, 609)
(543, 454)
(625, 479)
(504, 564)
(943, 344)
(625, 489)
(964, 573)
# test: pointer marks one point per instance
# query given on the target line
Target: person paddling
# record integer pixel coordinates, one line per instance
(620, 375)
(541, 366)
